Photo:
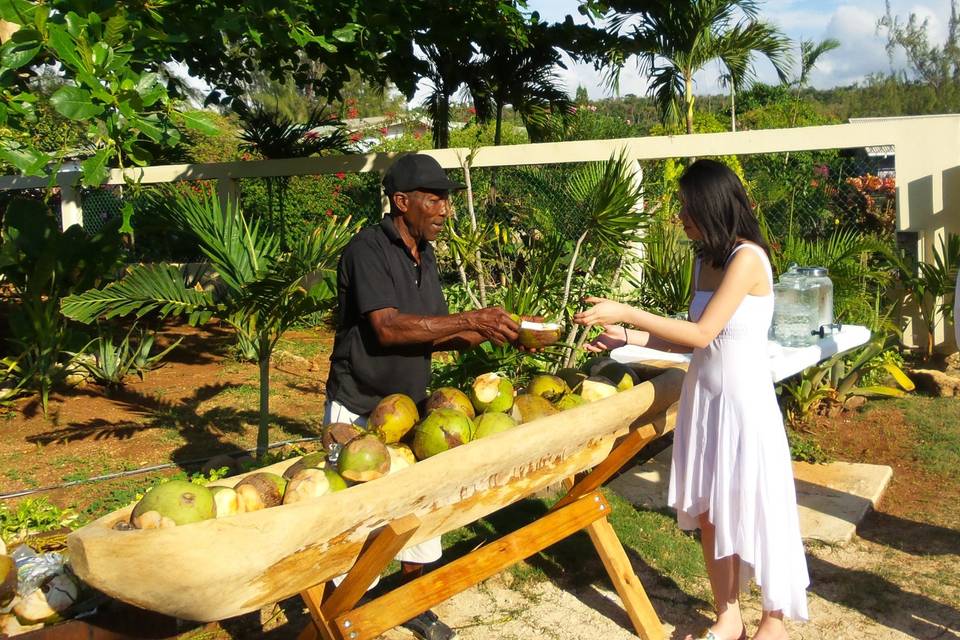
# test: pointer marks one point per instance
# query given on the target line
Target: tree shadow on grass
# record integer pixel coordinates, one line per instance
(203, 430)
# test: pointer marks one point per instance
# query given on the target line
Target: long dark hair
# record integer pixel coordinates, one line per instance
(718, 204)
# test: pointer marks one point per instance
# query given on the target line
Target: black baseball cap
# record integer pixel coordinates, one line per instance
(417, 171)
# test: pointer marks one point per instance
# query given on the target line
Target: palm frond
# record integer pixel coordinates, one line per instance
(145, 289)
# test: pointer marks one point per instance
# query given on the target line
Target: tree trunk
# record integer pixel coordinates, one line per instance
(733, 107)
(688, 100)
(263, 429)
(481, 284)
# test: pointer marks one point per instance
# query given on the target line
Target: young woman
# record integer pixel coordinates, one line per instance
(731, 475)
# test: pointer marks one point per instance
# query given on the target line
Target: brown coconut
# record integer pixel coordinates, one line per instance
(340, 433)
(260, 490)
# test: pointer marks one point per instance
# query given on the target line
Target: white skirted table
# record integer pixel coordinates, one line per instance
(784, 361)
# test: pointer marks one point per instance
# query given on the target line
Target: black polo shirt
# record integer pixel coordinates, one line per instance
(378, 271)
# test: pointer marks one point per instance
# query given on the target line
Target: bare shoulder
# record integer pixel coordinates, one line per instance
(750, 264)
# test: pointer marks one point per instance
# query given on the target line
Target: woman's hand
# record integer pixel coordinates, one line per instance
(613, 336)
(602, 312)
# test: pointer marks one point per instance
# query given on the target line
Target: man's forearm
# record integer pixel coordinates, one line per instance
(458, 342)
(403, 328)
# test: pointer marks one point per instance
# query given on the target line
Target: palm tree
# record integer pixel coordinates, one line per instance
(674, 40)
(810, 53)
(263, 291)
(446, 73)
(522, 76)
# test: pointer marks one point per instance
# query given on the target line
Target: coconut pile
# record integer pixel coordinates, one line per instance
(394, 438)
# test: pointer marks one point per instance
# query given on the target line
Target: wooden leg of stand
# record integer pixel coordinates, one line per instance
(372, 560)
(373, 618)
(625, 580)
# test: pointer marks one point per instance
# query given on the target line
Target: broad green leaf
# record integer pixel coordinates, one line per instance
(65, 47)
(101, 54)
(95, 167)
(199, 122)
(879, 390)
(17, 11)
(20, 49)
(75, 103)
(75, 24)
(150, 88)
(127, 212)
(113, 33)
(149, 126)
(29, 161)
(347, 33)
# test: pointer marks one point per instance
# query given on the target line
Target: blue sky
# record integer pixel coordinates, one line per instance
(852, 22)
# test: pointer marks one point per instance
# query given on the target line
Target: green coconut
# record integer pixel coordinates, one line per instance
(450, 398)
(491, 422)
(337, 483)
(173, 503)
(597, 388)
(528, 408)
(537, 335)
(363, 459)
(620, 375)
(306, 484)
(393, 417)
(573, 377)
(226, 501)
(261, 490)
(440, 431)
(547, 386)
(491, 392)
(315, 460)
(569, 401)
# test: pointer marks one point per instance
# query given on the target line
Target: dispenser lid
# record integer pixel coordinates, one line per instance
(817, 272)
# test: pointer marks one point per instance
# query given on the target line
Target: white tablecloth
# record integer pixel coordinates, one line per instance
(784, 361)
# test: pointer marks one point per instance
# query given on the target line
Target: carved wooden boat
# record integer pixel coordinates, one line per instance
(221, 568)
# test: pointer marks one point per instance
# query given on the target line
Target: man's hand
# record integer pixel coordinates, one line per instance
(494, 324)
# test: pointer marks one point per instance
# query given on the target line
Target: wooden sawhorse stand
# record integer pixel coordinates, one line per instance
(336, 616)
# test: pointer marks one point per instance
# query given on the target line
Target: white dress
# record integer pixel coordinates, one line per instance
(731, 458)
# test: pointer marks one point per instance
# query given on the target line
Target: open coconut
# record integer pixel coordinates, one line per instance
(597, 388)
(536, 335)
(47, 603)
(491, 392)
(261, 490)
(173, 503)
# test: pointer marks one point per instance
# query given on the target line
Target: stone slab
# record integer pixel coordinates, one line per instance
(833, 498)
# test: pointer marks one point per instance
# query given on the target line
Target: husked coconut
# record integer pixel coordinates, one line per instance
(364, 459)
(401, 457)
(490, 423)
(260, 490)
(491, 392)
(536, 335)
(45, 604)
(10, 626)
(175, 502)
(450, 398)
(226, 501)
(306, 484)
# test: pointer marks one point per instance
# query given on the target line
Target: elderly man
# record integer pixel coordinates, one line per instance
(393, 316)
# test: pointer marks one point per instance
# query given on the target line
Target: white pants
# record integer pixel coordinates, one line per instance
(423, 553)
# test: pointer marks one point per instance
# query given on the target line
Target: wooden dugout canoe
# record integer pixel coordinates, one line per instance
(221, 568)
